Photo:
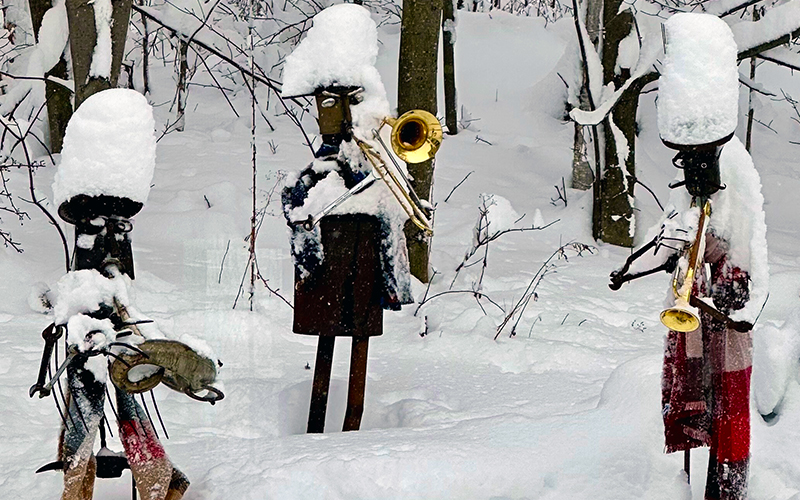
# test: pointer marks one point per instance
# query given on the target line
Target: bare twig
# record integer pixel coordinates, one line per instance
(530, 292)
(457, 185)
(651, 192)
(222, 264)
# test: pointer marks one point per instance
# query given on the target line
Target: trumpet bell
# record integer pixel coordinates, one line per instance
(416, 136)
(681, 318)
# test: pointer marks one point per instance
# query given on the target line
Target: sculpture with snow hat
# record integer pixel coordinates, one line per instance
(102, 181)
(713, 240)
(347, 237)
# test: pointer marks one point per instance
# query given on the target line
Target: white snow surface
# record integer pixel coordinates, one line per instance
(341, 48)
(698, 91)
(109, 148)
(568, 408)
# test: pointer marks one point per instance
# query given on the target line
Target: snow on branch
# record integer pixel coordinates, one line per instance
(755, 86)
(761, 38)
(200, 42)
(778, 26)
(724, 8)
(782, 56)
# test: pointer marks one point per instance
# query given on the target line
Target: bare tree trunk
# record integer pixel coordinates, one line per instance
(183, 70)
(582, 175)
(449, 67)
(617, 219)
(419, 44)
(58, 98)
(748, 140)
(145, 54)
(82, 40)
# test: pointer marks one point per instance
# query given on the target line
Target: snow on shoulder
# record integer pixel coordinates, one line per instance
(109, 148)
(698, 92)
(340, 49)
(738, 217)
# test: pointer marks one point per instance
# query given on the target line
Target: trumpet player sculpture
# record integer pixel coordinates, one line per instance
(103, 180)
(347, 209)
(713, 240)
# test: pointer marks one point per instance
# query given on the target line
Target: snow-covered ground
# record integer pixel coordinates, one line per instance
(568, 408)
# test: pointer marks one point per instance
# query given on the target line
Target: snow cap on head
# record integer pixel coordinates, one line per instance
(698, 92)
(109, 148)
(340, 49)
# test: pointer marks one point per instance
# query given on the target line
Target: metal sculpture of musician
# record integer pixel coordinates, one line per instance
(713, 239)
(103, 180)
(346, 225)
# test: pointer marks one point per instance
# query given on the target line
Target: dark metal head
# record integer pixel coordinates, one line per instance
(700, 165)
(700, 171)
(335, 119)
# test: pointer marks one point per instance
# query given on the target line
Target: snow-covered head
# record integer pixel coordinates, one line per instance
(340, 50)
(109, 148)
(698, 92)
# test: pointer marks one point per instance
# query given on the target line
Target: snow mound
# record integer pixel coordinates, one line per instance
(699, 86)
(776, 355)
(109, 148)
(341, 48)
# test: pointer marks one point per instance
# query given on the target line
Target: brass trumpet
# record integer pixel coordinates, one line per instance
(683, 317)
(415, 137)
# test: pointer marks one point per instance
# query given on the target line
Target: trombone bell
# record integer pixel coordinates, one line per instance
(681, 318)
(416, 136)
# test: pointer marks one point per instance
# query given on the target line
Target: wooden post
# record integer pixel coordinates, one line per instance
(687, 462)
(357, 384)
(322, 382)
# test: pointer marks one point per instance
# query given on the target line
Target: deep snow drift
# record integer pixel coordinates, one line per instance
(567, 408)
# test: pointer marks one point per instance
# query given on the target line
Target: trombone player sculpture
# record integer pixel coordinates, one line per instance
(713, 240)
(347, 209)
